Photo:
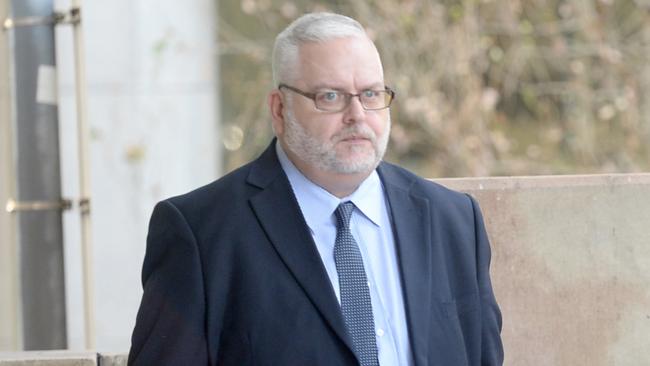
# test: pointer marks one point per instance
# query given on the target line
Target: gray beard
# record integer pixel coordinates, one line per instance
(323, 155)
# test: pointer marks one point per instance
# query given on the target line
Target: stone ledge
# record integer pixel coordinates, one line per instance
(113, 359)
(48, 358)
(543, 182)
(61, 358)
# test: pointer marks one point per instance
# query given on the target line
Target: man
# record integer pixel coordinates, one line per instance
(318, 253)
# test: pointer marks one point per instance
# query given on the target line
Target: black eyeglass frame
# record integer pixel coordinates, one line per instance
(348, 98)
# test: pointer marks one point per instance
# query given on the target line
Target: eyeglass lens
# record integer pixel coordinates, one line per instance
(370, 99)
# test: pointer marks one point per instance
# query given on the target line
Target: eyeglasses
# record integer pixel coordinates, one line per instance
(336, 101)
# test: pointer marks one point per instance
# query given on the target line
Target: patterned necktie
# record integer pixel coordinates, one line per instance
(353, 284)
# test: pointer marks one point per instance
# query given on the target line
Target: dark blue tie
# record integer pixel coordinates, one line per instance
(353, 284)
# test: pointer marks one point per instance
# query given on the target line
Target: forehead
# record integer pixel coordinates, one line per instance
(347, 63)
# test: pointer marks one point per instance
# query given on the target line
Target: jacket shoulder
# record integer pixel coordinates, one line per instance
(223, 194)
(419, 186)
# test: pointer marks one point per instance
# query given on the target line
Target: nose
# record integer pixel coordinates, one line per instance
(354, 112)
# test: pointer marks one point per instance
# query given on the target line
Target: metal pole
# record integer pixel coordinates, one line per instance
(40, 232)
(10, 314)
(84, 180)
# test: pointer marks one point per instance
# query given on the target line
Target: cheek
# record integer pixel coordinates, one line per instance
(321, 127)
(324, 130)
(379, 122)
(311, 125)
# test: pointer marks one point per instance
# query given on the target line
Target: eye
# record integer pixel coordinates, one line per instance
(370, 94)
(328, 96)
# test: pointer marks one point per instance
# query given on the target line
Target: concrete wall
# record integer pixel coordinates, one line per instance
(152, 82)
(570, 266)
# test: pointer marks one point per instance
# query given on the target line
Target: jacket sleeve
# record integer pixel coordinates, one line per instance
(170, 325)
(491, 344)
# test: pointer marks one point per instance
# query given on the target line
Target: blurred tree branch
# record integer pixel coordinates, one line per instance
(489, 87)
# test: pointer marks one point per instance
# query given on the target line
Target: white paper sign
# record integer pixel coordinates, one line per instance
(46, 90)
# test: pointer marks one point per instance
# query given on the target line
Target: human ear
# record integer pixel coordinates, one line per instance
(276, 107)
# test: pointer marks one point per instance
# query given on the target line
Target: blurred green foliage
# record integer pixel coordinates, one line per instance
(485, 87)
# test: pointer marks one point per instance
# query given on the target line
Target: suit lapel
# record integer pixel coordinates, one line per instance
(278, 212)
(412, 228)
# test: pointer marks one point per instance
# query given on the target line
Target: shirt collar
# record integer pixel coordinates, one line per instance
(318, 205)
(368, 198)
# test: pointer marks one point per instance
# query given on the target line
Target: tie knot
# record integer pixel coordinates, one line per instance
(343, 214)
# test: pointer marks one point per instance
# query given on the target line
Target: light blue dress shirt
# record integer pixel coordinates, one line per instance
(371, 228)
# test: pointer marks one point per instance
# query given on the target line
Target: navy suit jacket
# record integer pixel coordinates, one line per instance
(232, 276)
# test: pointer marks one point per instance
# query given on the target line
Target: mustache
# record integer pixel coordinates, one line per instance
(361, 131)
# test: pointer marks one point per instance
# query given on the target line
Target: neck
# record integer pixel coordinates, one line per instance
(339, 185)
